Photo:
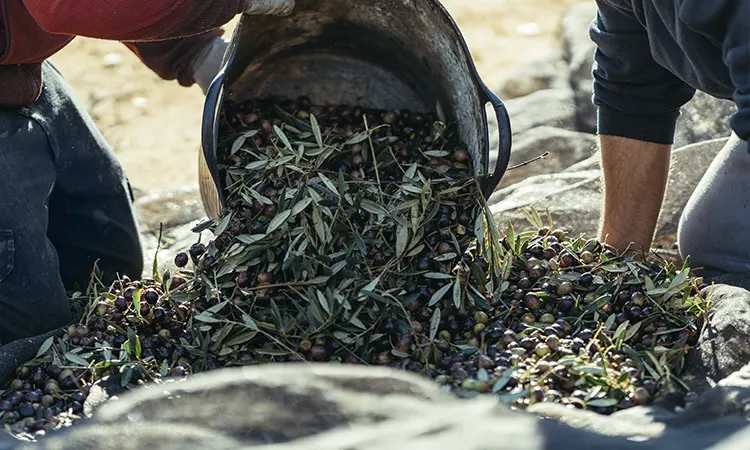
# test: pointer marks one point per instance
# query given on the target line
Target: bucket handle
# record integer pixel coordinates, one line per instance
(211, 111)
(505, 143)
(210, 147)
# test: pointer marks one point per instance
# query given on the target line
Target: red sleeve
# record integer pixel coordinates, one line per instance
(172, 59)
(132, 20)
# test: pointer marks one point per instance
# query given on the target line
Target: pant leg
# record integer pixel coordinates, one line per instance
(32, 297)
(92, 219)
(715, 226)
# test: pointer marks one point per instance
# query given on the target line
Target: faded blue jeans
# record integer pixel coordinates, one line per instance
(65, 206)
(715, 226)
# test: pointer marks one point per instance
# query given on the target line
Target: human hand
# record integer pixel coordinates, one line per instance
(208, 63)
(269, 7)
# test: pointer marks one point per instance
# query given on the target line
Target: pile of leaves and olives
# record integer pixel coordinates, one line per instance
(360, 236)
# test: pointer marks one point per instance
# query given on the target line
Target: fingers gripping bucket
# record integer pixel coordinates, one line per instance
(388, 54)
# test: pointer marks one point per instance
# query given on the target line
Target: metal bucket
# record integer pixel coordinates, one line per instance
(389, 54)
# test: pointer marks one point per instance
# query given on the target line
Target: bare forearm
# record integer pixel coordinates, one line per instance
(635, 178)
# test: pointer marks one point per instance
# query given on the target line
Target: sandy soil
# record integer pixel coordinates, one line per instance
(154, 125)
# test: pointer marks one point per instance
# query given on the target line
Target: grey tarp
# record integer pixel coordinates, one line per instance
(18, 352)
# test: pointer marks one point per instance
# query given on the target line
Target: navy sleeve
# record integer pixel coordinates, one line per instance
(727, 23)
(636, 97)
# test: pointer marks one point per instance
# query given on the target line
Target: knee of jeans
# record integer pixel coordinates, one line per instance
(689, 241)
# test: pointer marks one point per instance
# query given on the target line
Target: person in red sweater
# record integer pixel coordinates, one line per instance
(65, 204)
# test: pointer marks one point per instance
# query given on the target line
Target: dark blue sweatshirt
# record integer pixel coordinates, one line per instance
(652, 55)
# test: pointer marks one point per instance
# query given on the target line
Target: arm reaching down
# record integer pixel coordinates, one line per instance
(188, 60)
(638, 105)
(144, 20)
(635, 178)
(727, 22)
(132, 20)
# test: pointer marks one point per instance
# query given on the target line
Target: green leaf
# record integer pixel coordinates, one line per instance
(437, 153)
(679, 279)
(137, 301)
(320, 228)
(256, 195)
(457, 292)
(329, 184)
(250, 322)
(278, 221)
(323, 301)
(434, 324)
(223, 224)
(316, 131)
(357, 138)
(127, 376)
(301, 206)
(609, 322)
(632, 331)
(206, 317)
(479, 231)
(597, 304)
(369, 287)
(137, 345)
(446, 257)
(438, 276)
(46, 345)
(373, 208)
(250, 239)
(283, 137)
(155, 264)
(510, 237)
(76, 359)
(620, 330)
(513, 396)
(502, 381)
(402, 239)
(593, 370)
(240, 141)
(241, 338)
(602, 402)
(255, 165)
(416, 250)
(439, 294)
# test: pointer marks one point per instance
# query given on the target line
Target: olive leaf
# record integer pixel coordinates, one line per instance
(278, 221)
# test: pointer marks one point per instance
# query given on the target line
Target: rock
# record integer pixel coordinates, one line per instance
(169, 208)
(647, 427)
(724, 346)
(573, 30)
(704, 118)
(590, 163)
(7, 442)
(688, 165)
(338, 407)
(548, 72)
(565, 149)
(579, 53)
(548, 107)
(573, 198)
(585, 108)
(739, 279)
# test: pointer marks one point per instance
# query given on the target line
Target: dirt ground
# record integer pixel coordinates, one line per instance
(154, 125)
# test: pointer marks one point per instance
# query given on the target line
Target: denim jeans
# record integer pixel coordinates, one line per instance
(65, 207)
(714, 229)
